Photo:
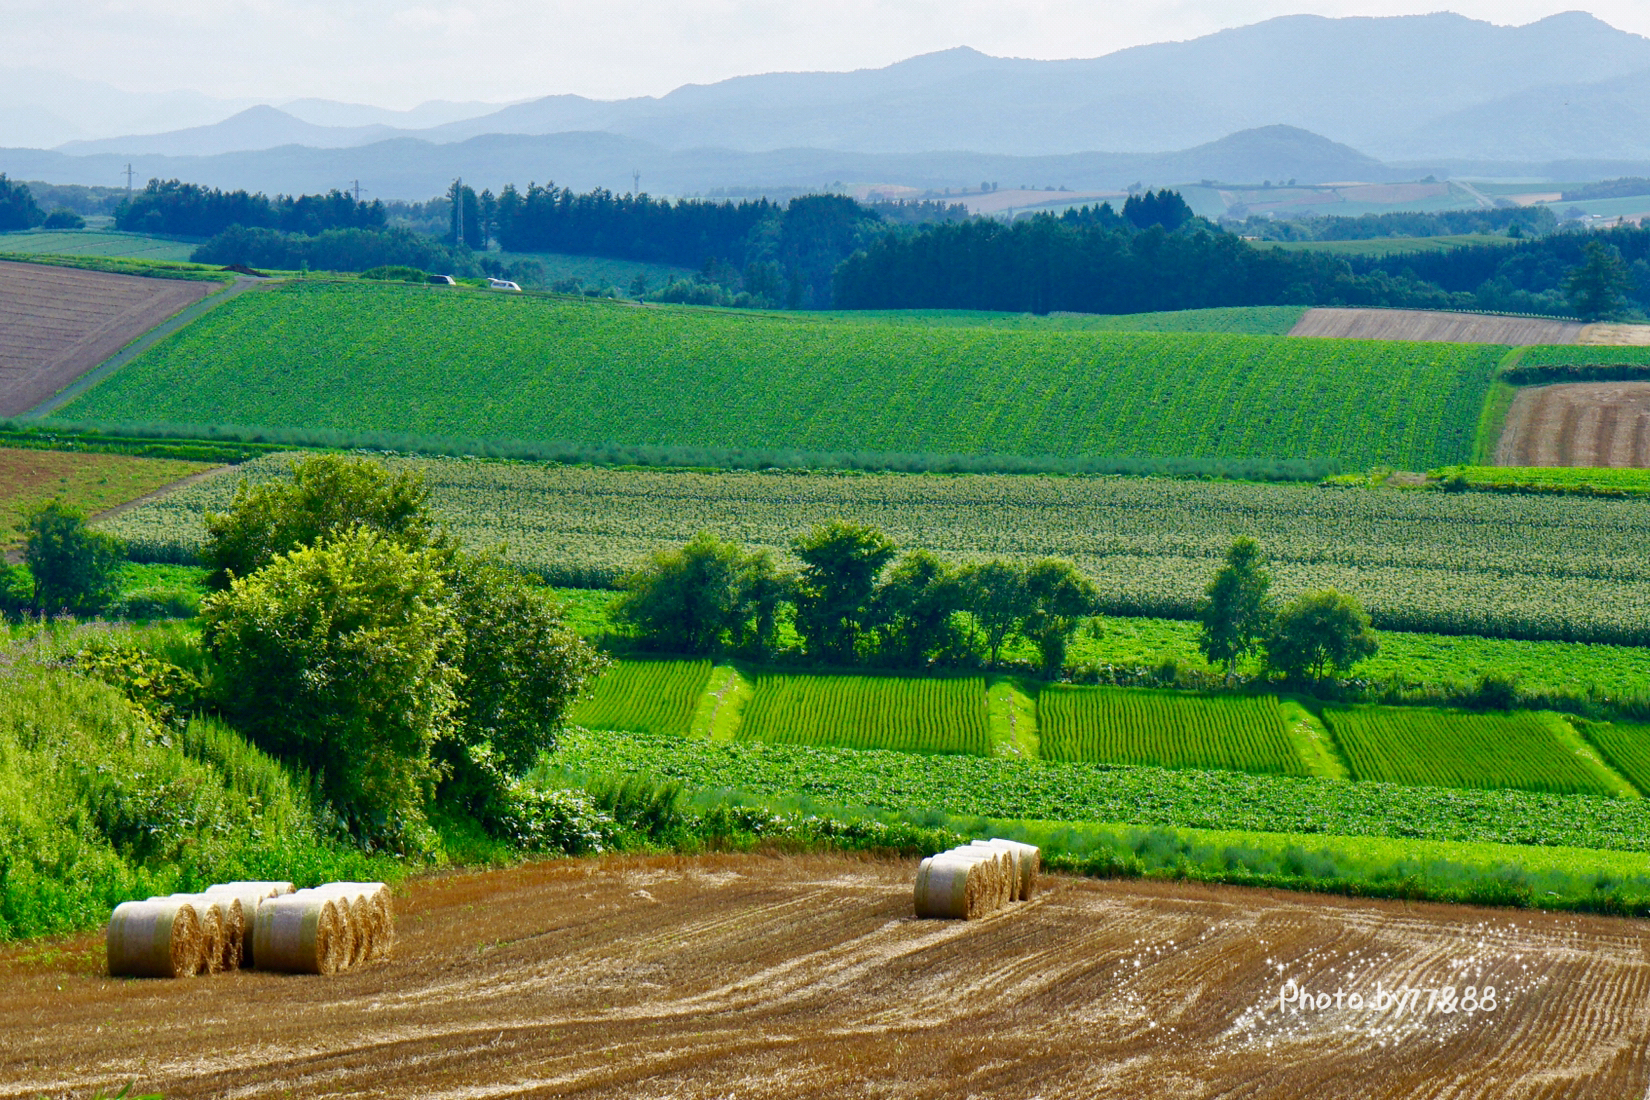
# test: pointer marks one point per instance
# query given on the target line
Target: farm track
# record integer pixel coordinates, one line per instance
(763, 976)
(1434, 327)
(1578, 424)
(58, 323)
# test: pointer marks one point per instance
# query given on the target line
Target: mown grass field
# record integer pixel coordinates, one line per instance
(91, 482)
(645, 697)
(1521, 750)
(95, 242)
(910, 714)
(1555, 567)
(352, 357)
(1165, 729)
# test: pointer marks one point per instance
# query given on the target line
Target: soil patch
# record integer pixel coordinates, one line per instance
(770, 976)
(56, 323)
(1434, 327)
(1578, 424)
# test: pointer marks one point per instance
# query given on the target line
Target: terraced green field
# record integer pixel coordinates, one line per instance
(645, 697)
(1551, 567)
(912, 714)
(352, 357)
(1521, 750)
(1165, 729)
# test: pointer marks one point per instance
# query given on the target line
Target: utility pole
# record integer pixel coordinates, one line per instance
(355, 185)
(636, 181)
(129, 175)
(458, 212)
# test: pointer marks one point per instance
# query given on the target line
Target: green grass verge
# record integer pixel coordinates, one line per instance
(352, 357)
(1580, 480)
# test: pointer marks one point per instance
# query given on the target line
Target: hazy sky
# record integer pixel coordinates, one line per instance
(396, 53)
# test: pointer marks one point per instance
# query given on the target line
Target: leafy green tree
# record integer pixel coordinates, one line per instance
(345, 657)
(521, 671)
(75, 569)
(704, 598)
(1057, 601)
(327, 496)
(841, 563)
(915, 611)
(1236, 611)
(18, 210)
(994, 592)
(1320, 633)
(1597, 289)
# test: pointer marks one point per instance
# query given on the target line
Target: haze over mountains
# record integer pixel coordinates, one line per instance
(1420, 93)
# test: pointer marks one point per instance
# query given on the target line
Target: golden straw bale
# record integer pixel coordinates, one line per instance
(1028, 857)
(1000, 872)
(214, 928)
(954, 888)
(383, 931)
(159, 938)
(301, 933)
(250, 895)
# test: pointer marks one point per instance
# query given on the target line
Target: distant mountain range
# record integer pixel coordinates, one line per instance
(1390, 97)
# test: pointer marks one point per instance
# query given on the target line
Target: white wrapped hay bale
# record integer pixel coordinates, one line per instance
(250, 895)
(1002, 873)
(301, 933)
(953, 887)
(1028, 859)
(158, 938)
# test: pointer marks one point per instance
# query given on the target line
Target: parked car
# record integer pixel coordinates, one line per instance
(503, 284)
(443, 280)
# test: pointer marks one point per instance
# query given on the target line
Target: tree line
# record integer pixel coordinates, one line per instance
(856, 601)
(1517, 221)
(190, 210)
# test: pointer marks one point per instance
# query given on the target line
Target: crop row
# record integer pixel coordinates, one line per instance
(1558, 567)
(1165, 729)
(911, 714)
(368, 358)
(645, 696)
(1041, 790)
(1420, 745)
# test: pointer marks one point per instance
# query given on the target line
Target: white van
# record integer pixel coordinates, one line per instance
(503, 284)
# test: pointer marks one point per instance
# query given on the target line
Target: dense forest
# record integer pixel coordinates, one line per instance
(189, 210)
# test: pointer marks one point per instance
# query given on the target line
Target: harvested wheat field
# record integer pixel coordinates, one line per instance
(772, 976)
(1434, 327)
(1578, 424)
(57, 323)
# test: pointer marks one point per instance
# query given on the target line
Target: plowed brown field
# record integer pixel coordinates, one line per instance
(767, 976)
(57, 323)
(1578, 424)
(1434, 327)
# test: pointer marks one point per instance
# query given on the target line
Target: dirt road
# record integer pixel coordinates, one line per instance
(759, 976)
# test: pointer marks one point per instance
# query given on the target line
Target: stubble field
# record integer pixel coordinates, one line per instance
(771, 976)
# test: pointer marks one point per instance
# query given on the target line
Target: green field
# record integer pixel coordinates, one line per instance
(645, 697)
(350, 357)
(1520, 750)
(95, 242)
(1625, 746)
(1557, 567)
(1584, 353)
(1165, 729)
(1252, 320)
(1575, 479)
(911, 714)
(1389, 246)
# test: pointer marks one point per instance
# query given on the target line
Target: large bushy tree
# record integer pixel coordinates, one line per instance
(916, 611)
(18, 210)
(1318, 634)
(75, 569)
(707, 597)
(841, 563)
(1236, 612)
(1058, 600)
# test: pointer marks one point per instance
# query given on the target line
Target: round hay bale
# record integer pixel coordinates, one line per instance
(158, 938)
(249, 895)
(300, 933)
(214, 922)
(1028, 857)
(383, 931)
(952, 888)
(1000, 872)
(358, 913)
